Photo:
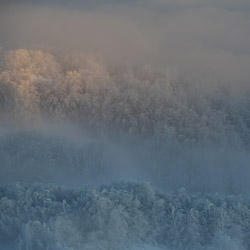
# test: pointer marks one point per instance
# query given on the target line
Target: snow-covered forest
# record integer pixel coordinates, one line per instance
(139, 101)
(70, 122)
(121, 216)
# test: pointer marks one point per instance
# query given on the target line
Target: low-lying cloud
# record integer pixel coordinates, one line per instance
(207, 38)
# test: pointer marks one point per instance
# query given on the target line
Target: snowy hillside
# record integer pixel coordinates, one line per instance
(70, 122)
(123, 215)
(105, 98)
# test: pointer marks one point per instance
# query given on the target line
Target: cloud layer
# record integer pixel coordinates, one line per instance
(208, 38)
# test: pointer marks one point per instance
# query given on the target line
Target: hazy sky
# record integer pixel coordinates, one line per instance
(206, 37)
